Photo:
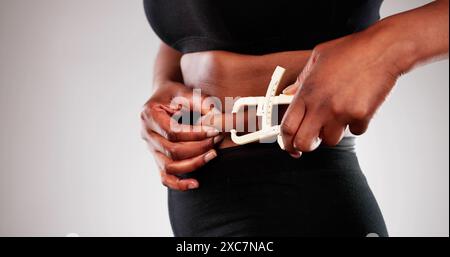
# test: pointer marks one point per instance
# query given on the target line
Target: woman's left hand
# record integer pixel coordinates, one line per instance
(343, 84)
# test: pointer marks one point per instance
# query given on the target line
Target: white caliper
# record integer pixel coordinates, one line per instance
(265, 108)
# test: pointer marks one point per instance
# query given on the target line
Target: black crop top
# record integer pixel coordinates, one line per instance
(257, 26)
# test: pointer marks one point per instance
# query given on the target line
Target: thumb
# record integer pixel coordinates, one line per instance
(292, 89)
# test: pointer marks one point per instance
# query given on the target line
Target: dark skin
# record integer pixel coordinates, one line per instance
(328, 99)
(342, 84)
(217, 74)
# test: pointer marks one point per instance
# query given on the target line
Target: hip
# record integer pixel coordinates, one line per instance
(259, 190)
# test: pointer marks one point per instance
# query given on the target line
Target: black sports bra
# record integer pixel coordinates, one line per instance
(257, 26)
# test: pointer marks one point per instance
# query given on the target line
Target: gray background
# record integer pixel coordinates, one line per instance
(73, 77)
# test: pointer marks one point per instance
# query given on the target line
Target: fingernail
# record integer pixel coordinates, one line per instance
(218, 139)
(192, 186)
(212, 132)
(287, 91)
(209, 156)
(296, 155)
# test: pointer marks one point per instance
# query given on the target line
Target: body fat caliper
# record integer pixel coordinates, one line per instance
(270, 130)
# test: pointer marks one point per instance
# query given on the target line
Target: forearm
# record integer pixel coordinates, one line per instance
(167, 66)
(414, 37)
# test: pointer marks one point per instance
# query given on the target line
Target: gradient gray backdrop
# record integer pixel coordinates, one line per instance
(73, 77)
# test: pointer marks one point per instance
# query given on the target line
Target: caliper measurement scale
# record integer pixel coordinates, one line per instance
(270, 130)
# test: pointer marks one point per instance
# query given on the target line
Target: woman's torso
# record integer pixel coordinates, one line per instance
(231, 47)
(258, 190)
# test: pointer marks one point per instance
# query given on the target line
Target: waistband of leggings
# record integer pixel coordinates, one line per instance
(347, 144)
(269, 155)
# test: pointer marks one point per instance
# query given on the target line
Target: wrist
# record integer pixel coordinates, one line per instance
(166, 89)
(399, 50)
(159, 83)
(164, 84)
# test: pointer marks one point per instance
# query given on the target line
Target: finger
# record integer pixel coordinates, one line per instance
(291, 123)
(359, 127)
(332, 133)
(182, 150)
(308, 138)
(196, 101)
(160, 121)
(246, 121)
(152, 143)
(172, 181)
(184, 166)
(175, 183)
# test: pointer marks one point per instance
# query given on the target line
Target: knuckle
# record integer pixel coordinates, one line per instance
(164, 181)
(168, 168)
(147, 111)
(360, 111)
(172, 136)
(287, 129)
(336, 107)
(143, 116)
(174, 151)
(144, 135)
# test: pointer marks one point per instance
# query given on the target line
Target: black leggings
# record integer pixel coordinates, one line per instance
(259, 190)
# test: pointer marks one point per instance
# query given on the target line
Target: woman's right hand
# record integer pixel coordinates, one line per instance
(178, 148)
